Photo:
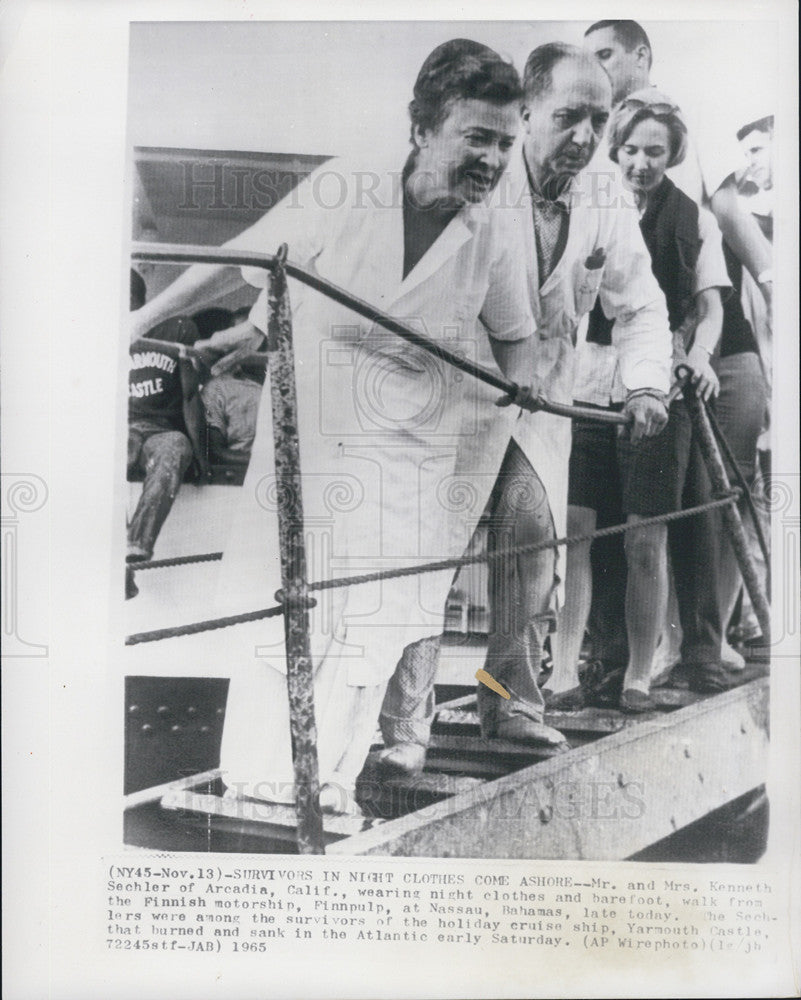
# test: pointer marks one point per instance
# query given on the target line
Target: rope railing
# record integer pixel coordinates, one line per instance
(201, 557)
(178, 254)
(295, 602)
(456, 562)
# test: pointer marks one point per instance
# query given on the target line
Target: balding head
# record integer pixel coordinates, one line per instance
(540, 65)
(568, 97)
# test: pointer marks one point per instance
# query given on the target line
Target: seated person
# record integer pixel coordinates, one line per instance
(231, 401)
(166, 428)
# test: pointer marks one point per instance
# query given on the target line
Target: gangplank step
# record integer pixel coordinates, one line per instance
(388, 797)
(599, 721)
(606, 800)
(254, 816)
(477, 745)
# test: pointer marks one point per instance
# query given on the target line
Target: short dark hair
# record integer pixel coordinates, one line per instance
(460, 69)
(138, 291)
(760, 125)
(537, 76)
(630, 34)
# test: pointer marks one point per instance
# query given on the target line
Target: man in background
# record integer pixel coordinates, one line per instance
(747, 392)
(624, 50)
(754, 186)
(231, 401)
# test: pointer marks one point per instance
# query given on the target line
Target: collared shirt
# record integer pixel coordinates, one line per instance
(232, 406)
(605, 255)
(551, 225)
(385, 430)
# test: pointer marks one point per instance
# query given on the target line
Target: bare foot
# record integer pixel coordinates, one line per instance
(338, 801)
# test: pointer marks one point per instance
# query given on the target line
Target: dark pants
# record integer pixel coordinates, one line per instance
(594, 482)
(520, 592)
(694, 544)
(163, 456)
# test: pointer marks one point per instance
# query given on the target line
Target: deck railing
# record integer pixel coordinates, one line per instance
(294, 597)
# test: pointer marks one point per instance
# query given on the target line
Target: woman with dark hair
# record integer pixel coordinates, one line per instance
(664, 473)
(386, 431)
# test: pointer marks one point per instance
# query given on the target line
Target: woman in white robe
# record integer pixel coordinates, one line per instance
(391, 439)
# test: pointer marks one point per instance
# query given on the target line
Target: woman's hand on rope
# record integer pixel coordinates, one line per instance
(703, 377)
(647, 413)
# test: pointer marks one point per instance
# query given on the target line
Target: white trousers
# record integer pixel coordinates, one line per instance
(256, 756)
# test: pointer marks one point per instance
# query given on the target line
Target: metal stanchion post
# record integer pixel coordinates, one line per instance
(731, 515)
(300, 672)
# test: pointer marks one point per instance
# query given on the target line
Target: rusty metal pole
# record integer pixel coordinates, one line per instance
(731, 515)
(300, 671)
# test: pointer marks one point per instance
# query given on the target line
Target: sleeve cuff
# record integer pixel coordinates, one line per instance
(647, 375)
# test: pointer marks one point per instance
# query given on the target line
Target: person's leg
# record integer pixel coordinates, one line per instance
(740, 410)
(520, 592)
(749, 625)
(136, 438)
(166, 457)
(566, 642)
(349, 722)
(606, 626)
(256, 753)
(593, 483)
(652, 473)
(695, 553)
(668, 651)
(408, 707)
(646, 600)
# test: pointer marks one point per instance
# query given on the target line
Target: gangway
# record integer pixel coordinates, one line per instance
(626, 783)
(482, 798)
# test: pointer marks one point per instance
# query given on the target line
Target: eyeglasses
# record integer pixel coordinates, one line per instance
(658, 109)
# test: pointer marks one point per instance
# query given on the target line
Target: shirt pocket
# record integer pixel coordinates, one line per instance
(587, 283)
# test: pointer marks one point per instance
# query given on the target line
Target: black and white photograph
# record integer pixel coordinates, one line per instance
(514, 295)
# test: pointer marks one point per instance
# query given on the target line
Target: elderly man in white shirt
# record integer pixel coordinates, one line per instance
(580, 243)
